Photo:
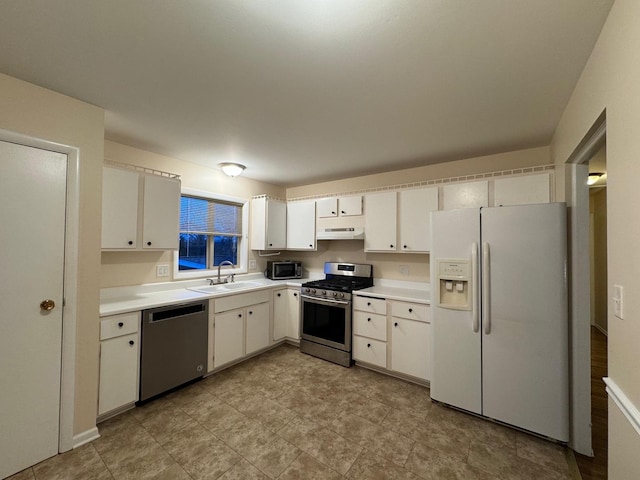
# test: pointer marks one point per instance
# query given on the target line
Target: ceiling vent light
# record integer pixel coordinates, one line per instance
(232, 169)
(593, 178)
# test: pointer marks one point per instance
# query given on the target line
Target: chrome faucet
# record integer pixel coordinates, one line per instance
(224, 262)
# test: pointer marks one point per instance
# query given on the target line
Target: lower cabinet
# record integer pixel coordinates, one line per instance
(119, 361)
(286, 314)
(393, 335)
(238, 326)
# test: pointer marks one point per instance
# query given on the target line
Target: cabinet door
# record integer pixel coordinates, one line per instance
(228, 337)
(380, 222)
(293, 328)
(466, 195)
(521, 190)
(280, 314)
(327, 207)
(257, 327)
(414, 210)
(118, 372)
(301, 225)
(410, 347)
(161, 213)
(119, 208)
(349, 206)
(276, 225)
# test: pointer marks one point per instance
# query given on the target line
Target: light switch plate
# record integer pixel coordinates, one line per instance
(252, 264)
(404, 270)
(618, 301)
(162, 270)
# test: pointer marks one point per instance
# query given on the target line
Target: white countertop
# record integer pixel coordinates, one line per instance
(140, 297)
(417, 293)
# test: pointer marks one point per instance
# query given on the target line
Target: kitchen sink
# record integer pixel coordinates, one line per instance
(222, 287)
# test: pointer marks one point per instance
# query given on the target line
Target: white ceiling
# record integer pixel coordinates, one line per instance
(302, 91)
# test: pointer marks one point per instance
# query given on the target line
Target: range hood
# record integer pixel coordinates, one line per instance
(347, 233)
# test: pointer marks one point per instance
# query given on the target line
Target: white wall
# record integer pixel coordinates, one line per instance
(611, 82)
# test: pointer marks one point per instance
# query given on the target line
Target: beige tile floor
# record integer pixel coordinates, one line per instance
(286, 415)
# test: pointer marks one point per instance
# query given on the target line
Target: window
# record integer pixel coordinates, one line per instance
(210, 232)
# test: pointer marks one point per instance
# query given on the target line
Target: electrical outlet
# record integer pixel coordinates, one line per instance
(618, 304)
(252, 264)
(162, 270)
(404, 270)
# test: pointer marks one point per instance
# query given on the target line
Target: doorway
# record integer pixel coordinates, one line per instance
(39, 212)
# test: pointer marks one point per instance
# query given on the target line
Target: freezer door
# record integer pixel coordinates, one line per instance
(525, 329)
(456, 374)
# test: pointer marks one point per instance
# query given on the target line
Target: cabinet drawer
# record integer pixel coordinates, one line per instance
(370, 351)
(412, 311)
(118, 325)
(368, 304)
(242, 300)
(370, 325)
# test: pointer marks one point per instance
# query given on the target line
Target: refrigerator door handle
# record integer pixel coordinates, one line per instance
(486, 317)
(476, 286)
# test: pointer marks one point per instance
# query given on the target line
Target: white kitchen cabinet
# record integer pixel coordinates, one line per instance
(340, 206)
(286, 314)
(523, 190)
(161, 213)
(414, 208)
(410, 339)
(380, 222)
(257, 325)
(268, 223)
(228, 337)
(465, 195)
(370, 330)
(139, 211)
(119, 209)
(119, 362)
(301, 225)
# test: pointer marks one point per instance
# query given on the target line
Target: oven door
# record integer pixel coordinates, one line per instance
(327, 322)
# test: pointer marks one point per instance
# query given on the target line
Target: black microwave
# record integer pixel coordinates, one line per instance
(283, 270)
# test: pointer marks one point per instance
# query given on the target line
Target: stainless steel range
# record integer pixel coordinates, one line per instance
(326, 311)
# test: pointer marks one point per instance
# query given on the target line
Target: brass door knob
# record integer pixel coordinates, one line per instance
(47, 305)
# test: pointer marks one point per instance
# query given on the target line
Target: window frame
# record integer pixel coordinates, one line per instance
(243, 248)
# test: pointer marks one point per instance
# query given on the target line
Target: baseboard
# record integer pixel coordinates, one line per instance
(85, 437)
(625, 405)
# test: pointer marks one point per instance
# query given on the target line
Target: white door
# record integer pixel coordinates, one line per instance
(119, 208)
(32, 214)
(380, 222)
(228, 337)
(301, 225)
(160, 228)
(456, 374)
(414, 208)
(525, 374)
(410, 347)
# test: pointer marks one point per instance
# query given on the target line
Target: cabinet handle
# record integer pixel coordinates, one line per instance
(368, 345)
(131, 342)
(404, 246)
(120, 324)
(343, 212)
(130, 242)
(369, 319)
(311, 245)
(239, 315)
(395, 324)
(250, 312)
(410, 310)
(333, 213)
(368, 304)
(149, 243)
(271, 244)
(295, 294)
(391, 246)
(279, 294)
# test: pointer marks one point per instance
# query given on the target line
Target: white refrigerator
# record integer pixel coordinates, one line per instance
(500, 320)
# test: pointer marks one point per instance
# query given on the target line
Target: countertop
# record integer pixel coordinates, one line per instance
(118, 300)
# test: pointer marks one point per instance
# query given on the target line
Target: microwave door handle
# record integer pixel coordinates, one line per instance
(325, 300)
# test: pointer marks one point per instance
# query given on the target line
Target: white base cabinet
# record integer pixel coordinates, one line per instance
(119, 361)
(392, 335)
(238, 326)
(286, 314)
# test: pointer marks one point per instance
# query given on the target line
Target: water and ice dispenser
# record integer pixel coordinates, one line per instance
(454, 283)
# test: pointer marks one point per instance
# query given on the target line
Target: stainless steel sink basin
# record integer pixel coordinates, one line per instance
(222, 287)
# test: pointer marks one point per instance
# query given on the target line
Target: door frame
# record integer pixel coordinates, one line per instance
(70, 279)
(577, 198)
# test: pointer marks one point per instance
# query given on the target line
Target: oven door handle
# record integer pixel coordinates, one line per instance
(325, 300)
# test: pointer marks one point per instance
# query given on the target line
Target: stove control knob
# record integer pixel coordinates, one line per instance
(313, 290)
(324, 292)
(306, 290)
(335, 294)
(342, 295)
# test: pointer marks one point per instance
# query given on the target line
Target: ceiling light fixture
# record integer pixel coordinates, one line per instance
(232, 169)
(594, 177)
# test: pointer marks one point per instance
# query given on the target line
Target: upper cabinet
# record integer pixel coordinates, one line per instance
(301, 225)
(340, 206)
(414, 209)
(523, 190)
(268, 223)
(399, 221)
(139, 211)
(465, 195)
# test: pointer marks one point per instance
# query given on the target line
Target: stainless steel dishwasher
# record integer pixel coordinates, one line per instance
(173, 347)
